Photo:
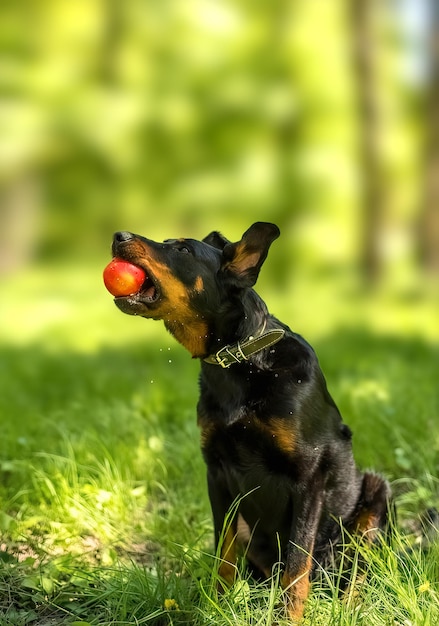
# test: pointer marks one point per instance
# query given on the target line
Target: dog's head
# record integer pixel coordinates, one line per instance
(190, 284)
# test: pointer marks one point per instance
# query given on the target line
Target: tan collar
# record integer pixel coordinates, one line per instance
(239, 352)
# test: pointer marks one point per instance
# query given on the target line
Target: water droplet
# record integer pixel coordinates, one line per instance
(299, 380)
(151, 382)
(170, 361)
(276, 375)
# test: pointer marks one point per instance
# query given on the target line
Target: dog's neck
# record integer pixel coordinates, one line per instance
(192, 335)
(251, 319)
(247, 318)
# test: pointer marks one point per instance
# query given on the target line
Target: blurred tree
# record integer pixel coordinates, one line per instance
(365, 59)
(429, 233)
(22, 131)
(20, 208)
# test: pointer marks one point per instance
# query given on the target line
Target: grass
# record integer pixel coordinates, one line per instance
(104, 516)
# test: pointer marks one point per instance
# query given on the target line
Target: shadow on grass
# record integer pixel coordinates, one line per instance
(386, 389)
(45, 395)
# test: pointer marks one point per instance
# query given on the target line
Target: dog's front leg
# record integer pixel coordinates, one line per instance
(298, 565)
(225, 526)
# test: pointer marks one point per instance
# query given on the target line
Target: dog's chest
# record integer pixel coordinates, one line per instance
(250, 445)
(255, 459)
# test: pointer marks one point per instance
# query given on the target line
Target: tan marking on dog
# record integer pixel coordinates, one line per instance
(297, 586)
(207, 430)
(367, 524)
(227, 568)
(175, 310)
(281, 432)
(243, 259)
(199, 284)
(136, 250)
(191, 334)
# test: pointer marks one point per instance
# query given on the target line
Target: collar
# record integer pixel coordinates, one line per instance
(239, 352)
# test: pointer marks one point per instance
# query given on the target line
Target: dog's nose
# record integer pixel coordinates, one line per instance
(123, 235)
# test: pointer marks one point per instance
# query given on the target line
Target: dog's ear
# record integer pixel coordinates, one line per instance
(243, 260)
(217, 240)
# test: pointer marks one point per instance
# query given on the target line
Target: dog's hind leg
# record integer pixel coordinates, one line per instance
(372, 511)
(369, 522)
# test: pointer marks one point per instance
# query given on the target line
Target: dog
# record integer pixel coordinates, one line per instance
(282, 480)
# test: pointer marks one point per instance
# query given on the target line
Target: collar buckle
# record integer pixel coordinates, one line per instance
(225, 357)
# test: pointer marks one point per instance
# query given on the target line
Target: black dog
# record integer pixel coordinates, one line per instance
(277, 452)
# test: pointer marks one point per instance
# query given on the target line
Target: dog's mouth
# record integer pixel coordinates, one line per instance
(144, 298)
(149, 291)
(148, 294)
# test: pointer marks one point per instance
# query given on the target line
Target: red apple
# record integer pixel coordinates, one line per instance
(122, 278)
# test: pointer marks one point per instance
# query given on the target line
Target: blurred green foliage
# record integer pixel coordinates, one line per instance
(174, 118)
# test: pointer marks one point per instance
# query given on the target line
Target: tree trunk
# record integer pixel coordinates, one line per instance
(429, 235)
(363, 14)
(20, 212)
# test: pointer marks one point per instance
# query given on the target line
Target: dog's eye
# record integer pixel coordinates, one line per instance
(184, 249)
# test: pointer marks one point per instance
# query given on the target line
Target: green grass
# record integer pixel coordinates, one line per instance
(104, 516)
